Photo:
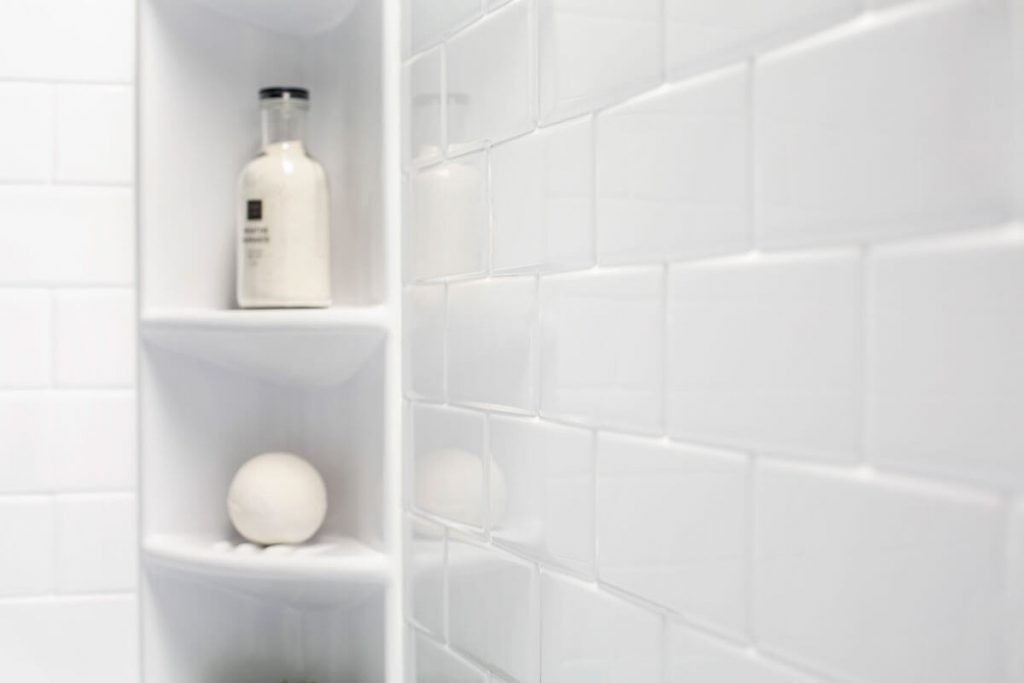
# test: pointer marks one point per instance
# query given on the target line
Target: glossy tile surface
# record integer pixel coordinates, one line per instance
(448, 456)
(837, 555)
(765, 352)
(948, 374)
(595, 54)
(617, 381)
(672, 527)
(590, 636)
(542, 200)
(546, 472)
(491, 343)
(672, 179)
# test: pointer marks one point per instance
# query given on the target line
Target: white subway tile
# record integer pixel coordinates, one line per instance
(696, 657)
(25, 343)
(700, 33)
(493, 608)
(27, 134)
(546, 472)
(946, 379)
(542, 194)
(895, 124)
(423, 345)
(429, 21)
(424, 574)
(672, 179)
(24, 458)
(592, 54)
(421, 132)
(589, 636)
(72, 441)
(491, 343)
(765, 352)
(672, 527)
(435, 664)
(66, 235)
(448, 456)
(96, 543)
(26, 536)
(76, 639)
(91, 441)
(67, 40)
(95, 338)
(872, 579)
(1015, 570)
(95, 134)
(489, 70)
(601, 353)
(449, 219)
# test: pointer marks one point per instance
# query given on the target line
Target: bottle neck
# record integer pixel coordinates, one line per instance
(283, 121)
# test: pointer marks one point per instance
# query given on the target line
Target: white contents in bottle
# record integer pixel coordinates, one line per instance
(283, 225)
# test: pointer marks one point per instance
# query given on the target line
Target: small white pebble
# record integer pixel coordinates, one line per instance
(279, 549)
(223, 546)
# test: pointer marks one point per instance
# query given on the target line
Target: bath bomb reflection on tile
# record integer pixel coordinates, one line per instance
(450, 484)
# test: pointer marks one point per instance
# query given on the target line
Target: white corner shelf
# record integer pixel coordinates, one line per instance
(292, 17)
(331, 571)
(308, 347)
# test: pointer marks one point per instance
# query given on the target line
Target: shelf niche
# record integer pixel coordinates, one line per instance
(219, 386)
(200, 72)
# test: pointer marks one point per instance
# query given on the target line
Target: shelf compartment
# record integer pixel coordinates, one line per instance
(331, 571)
(292, 347)
(293, 17)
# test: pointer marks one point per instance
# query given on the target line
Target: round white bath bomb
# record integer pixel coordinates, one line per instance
(277, 498)
(449, 484)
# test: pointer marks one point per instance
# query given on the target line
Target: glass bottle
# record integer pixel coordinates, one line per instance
(283, 250)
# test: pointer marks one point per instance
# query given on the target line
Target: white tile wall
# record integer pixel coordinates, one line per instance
(492, 608)
(601, 348)
(672, 178)
(592, 54)
(450, 471)
(542, 200)
(491, 343)
(95, 338)
(27, 536)
(92, 144)
(435, 663)
(672, 527)
(25, 346)
(66, 235)
(489, 77)
(96, 543)
(590, 636)
(845, 567)
(27, 133)
(547, 473)
(67, 437)
(425, 574)
(80, 639)
(765, 353)
(892, 125)
(948, 370)
(422, 94)
(702, 33)
(767, 431)
(694, 656)
(449, 224)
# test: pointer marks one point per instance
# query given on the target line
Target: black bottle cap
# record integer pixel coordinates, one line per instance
(277, 92)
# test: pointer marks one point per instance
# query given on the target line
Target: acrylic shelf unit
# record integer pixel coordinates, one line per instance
(219, 385)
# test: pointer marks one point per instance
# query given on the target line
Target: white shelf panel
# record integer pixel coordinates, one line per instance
(332, 571)
(313, 347)
(293, 17)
